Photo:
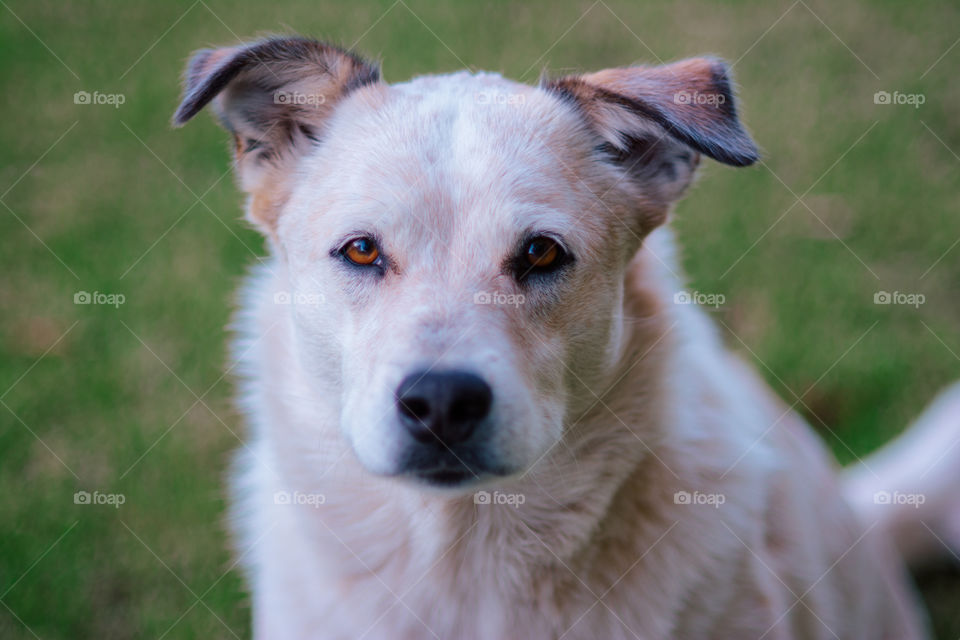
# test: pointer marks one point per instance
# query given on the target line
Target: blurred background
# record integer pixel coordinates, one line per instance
(838, 256)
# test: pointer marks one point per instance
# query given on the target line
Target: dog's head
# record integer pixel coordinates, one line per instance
(463, 238)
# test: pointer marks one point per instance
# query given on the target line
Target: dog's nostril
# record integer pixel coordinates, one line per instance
(443, 406)
(414, 408)
(472, 403)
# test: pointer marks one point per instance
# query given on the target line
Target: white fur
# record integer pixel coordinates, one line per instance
(604, 420)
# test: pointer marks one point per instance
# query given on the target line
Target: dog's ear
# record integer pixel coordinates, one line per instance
(655, 121)
(274, 97)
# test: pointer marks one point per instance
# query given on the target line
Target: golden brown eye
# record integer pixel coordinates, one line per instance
(542, 253)
(362, 251)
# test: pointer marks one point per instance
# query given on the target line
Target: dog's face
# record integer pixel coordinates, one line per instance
(455, 246)
(469, 278)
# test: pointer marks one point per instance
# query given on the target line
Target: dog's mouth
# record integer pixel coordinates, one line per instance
(447, 477)
(446, 470)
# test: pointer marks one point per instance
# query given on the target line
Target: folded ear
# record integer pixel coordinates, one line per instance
(274, 97)
(657, 120)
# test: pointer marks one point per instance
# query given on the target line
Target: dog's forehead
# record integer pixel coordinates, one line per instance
(465, 141)
(477, 111)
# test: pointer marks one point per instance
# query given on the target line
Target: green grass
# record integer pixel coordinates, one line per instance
(106, 399)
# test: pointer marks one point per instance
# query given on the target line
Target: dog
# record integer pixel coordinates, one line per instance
(477, 409)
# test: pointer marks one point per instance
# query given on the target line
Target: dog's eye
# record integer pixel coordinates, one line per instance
(542, 253)
(539, 256)
(361, 251)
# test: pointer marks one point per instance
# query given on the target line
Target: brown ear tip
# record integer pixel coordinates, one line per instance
(717, 62)
(714, 64)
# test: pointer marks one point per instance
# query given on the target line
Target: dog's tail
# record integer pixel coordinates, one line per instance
(911, 487)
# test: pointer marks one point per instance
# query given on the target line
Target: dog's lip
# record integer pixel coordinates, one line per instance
(455, 476)
(466, 466)
(447, 477)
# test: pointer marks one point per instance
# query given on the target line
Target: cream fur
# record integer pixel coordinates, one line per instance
(384, 560)
(612, 402)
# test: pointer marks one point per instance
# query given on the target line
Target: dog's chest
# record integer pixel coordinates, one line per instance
(348, 583)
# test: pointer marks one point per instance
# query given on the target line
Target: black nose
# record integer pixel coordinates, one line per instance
(443, 406)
